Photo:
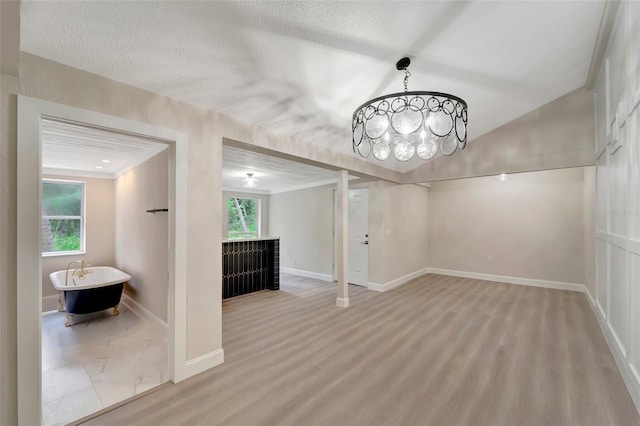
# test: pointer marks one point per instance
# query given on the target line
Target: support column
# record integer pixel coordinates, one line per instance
(342, 239)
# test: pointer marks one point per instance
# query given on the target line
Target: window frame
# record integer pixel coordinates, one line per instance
(82, 217)
(258, 218)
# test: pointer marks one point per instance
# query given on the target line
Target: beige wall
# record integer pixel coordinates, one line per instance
(205, 129)
(142, 239)
(398, 230)
(99, 230)
(304, 222)
(557, 135)
(43, 79)
(530, 226)
(47, 80)
(264, 210)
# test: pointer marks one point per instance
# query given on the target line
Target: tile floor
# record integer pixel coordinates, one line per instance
(101, 360)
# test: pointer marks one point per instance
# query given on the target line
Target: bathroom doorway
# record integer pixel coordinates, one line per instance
(104, 358)
(98, 185)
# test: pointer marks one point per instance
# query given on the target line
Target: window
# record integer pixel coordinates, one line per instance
(62, 217)
(244, 218)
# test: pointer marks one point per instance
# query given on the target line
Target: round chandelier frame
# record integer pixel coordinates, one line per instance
(409, 123)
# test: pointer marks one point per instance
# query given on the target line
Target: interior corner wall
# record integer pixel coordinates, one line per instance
(50, 81)
(99, 230)
(556, 135)
(398, 231)
(529, 226)
(303, 220)
(589, 206)
(142, 239)
(264, 211)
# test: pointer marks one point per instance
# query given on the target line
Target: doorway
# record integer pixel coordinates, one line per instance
(31, 112)
(359, 237)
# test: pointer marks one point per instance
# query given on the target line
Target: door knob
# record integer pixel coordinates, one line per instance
(365, 242)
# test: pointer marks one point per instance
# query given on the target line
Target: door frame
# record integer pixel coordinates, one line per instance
(29, 260)
(335, 240)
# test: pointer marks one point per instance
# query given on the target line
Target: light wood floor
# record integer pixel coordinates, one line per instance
(436, 351)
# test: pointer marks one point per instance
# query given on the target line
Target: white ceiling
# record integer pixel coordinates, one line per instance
(274, 174)
(71, 149)
(75, 150)
(302, 67)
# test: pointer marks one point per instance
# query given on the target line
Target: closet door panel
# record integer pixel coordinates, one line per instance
(602, 286)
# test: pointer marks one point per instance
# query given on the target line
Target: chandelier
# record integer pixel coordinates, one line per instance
(409, 123)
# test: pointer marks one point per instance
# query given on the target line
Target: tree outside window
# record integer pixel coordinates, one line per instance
(243, 218)
(62, 217)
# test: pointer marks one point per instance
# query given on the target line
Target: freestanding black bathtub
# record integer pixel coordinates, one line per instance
(97, 289)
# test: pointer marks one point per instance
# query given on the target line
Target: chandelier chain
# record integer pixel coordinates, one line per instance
(407, 74)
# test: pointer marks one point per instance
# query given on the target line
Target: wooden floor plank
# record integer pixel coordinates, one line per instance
(436, 351)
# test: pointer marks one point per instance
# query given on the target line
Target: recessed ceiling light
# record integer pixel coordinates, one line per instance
(98, 167)
(502, 177)
(106, 161)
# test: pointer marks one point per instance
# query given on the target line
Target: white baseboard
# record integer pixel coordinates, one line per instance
(202, 363)
(308, 274)
(342, 302)
(397, 282)
(590, 298)
(144, 313)
(558, 285)
(630, 377)
(50, 303)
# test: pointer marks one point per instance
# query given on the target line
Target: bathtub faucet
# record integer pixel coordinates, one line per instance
(80, 272)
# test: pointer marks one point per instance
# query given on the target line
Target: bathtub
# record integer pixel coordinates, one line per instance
(98, 290)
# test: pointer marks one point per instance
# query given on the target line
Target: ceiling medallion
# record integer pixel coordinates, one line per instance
(409, 123)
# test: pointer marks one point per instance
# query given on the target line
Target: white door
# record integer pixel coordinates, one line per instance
(359, 236)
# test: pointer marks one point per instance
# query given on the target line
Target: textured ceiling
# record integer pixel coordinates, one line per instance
(73, 149)
(302, 67)
(76, 150)
(274, 174)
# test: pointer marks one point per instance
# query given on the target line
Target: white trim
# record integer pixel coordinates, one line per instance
(29, 264)
(635, 102)
(145, 314)
(558, 285)
(76, 173)
(203, 362)
(397, 282)
(308, 274)
(626, 371)
(228, 188)
(308, 185)
(305, 186)
(589, 297)
(245, 190)
(342, 302)
(29, 259)
(50, 303)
